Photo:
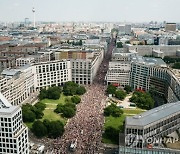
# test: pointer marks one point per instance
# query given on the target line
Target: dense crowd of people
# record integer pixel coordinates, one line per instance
(86, 127)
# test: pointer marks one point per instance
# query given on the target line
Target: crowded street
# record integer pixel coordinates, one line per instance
(86, 127)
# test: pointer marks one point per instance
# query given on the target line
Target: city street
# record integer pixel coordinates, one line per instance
(85, 128)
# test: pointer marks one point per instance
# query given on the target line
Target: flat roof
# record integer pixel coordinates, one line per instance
(149, 61)
(10, 72)
(8, 110)
(154, 115)
(4, 102)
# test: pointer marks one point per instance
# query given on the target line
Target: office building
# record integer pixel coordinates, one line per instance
(119, 68)
(13, 133)
(152, 72)
(52, 73)
(155, 123)
(17, 84)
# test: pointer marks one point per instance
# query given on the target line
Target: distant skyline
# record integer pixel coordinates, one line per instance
(91, 10)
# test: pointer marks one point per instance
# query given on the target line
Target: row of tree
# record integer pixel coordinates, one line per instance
(50, 93)
(30, 113)
(52, 129)
(143, 100)
(70, 88)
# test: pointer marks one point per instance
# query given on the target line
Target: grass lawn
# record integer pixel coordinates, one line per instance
(51, 105)
(52, 116)
(61, 100)
(49, 111)
(116, 122)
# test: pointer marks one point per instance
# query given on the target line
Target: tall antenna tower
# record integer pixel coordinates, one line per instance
(34, 21)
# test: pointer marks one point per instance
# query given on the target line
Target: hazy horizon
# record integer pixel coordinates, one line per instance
(91, 10)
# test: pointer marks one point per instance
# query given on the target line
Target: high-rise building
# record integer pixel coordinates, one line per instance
(13, 133)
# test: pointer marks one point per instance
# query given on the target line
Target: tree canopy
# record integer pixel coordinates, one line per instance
(176, 65)
(70, 88)
(68, 110)
(50, 93)
(53, 129)
(120, 94)
(113, 110)
(128, 89)
(142, 100)
(39, 129)
(76, 99)
(119, 45)
(30, 113)
(111, 89)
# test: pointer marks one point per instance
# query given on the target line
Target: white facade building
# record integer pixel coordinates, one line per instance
(13, 133)
(17, 84)
(52, 73)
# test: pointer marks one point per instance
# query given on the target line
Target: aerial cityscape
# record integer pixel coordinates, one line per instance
(89, 77)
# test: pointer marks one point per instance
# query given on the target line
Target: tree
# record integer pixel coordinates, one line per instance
(70, 88)
(76, 99)
(59, 108)
(127, 42)
(40, 106)
(56, 129)
(119, 45)
(127, 88)
(68, 110)
(42, 94)
(80, 90)
(142, 100)
(39, 129)
(120, 94)
(47, 123)
(113, 110)
(53, 92)
(176, 65)
(112, 133)
(28, 116)
(39, 113)
(111, 89)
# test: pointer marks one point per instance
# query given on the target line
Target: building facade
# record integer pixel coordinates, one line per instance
(17, 84)
(13, 133)
(52, 73)
(155, 124)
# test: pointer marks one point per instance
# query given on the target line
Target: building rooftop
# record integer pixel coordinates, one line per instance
(4, 102)
(149, 61)
(153, 115)
(10, 72)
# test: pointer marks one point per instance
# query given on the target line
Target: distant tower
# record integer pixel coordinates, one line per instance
(34, 22)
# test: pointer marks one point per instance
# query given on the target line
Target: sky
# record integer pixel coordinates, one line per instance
(91, 10)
